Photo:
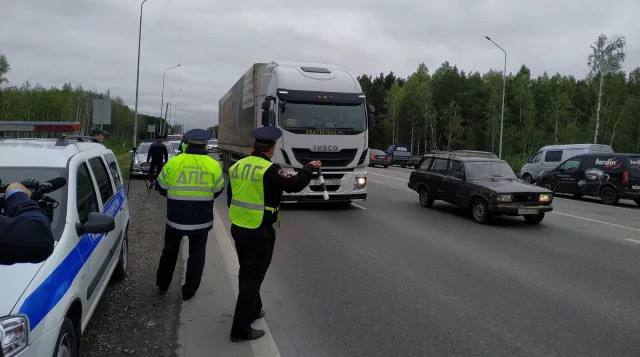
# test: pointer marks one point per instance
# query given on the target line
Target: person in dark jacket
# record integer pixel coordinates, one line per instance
(253, 197)
(25, 232)
(157, 156)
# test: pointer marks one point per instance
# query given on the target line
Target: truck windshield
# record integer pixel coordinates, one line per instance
(488, 169)
(304, 116)
(19, 174)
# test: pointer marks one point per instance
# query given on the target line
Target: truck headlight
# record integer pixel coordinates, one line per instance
(361, 183)
(14, 334)
(545, 198)
(505, 198)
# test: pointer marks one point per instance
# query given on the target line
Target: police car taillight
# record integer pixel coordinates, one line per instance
(39, 126)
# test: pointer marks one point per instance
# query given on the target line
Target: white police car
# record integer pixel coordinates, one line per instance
(45, 307)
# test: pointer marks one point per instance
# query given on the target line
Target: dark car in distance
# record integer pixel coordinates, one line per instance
(400, 155)
(379, 158)
(484, 185)
(609, 176)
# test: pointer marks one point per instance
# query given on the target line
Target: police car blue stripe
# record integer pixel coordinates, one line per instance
(45, 297)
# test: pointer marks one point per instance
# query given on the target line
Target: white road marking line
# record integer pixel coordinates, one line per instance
(393, 177)
(597, 221)
(358, 206)
(265, 346)
(633, 240)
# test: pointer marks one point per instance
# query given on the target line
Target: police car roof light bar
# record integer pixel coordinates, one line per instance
(40, 126)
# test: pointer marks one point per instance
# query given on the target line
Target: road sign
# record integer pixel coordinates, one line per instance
(151, 129)
(102, 111)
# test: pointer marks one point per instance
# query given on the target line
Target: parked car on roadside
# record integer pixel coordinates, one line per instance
(609, 176)
(212, 145)
(140, 166)
(400, 155)
(551, 156)
(379, 158)
(486, 186)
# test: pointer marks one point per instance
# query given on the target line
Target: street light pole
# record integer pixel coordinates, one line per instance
(504, 85)
(135, 117)
(163, 76)
(172, 110)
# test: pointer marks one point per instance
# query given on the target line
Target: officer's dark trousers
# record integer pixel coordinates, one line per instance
(195, 264)
(255, 249)
(154, 169)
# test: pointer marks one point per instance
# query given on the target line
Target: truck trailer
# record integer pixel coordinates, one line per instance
(322, 113)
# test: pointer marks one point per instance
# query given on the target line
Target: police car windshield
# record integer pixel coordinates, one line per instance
(19, 174)
(488, 170)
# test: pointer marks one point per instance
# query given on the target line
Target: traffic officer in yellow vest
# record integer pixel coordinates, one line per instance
(254, 192)
(190, 181)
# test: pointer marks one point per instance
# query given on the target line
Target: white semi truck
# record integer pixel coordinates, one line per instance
(322, 113)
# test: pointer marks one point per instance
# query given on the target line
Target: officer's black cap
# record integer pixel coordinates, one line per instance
(197, 136)
(267, 134)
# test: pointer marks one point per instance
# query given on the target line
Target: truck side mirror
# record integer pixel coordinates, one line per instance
(265, 117)
(371, 115)
(266, 104)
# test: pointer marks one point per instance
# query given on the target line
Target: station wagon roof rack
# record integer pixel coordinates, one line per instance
(465, 153)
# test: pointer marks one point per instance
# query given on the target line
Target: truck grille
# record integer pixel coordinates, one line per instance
(329, 159)
(330, 188)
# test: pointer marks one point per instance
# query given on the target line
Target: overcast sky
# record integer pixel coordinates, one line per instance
(94, 42)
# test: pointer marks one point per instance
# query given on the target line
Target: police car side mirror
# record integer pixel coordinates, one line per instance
(96, 223)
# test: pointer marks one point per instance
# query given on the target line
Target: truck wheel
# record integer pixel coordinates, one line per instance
(121, 269)
(480, 211)
(425, 198)
(527, 178)
(534, 218)
(67, 343)
(608, 195)
(548, 185)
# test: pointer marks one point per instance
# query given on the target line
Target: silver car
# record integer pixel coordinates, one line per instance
(549, 157)
(140, 166)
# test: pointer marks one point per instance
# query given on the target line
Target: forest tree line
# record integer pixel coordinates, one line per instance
(68, 103)
(451, 109)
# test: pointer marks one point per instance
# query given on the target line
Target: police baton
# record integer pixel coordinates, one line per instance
(325, 194)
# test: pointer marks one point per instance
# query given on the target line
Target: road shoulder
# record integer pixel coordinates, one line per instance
(205, 321)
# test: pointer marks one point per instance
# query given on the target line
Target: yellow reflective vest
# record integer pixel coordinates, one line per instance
(191, 180)
(247, 188)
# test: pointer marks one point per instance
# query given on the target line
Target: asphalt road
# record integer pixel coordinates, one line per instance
(390, 278)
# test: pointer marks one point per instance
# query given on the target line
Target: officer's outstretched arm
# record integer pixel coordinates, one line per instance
(292, 183)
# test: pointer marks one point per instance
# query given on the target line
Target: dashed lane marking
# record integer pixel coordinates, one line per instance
(358, 206)
(392, 177)
(633, 240)
(597, 221)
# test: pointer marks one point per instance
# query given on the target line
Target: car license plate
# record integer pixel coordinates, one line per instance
(527, 211)
(332, 182)
(635, 187)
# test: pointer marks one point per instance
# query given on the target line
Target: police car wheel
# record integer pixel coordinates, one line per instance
(121, 269)
(67, 343)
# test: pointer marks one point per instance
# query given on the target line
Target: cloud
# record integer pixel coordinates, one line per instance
(94, 42)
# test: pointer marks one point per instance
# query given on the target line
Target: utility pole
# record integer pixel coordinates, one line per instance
(135, 116)
(504, 85)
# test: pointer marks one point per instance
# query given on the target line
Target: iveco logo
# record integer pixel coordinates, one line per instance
(326, 148)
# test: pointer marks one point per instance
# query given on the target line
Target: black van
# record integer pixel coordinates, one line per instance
(608, 176)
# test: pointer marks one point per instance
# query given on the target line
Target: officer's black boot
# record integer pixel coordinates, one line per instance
(252, 335)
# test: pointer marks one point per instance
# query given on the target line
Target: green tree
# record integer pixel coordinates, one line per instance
(607, 57)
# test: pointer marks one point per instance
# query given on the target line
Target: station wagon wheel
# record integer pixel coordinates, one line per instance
(425, 198)
(609, 195)
(480, 211)
(67, 345)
